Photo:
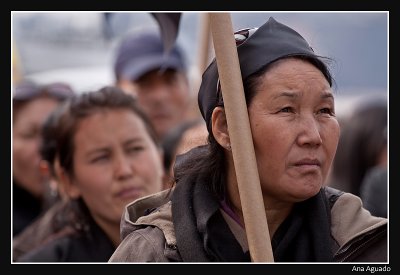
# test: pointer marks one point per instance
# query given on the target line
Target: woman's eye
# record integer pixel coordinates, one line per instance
(286, 110)
(135, 149)
(326, 111)
(100, 158)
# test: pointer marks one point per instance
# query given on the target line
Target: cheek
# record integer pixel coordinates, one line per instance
(271, 154)
(151, 171)
(18, 150)
(181, 94)
(92, 180)
(25, 152)
(270, 136)
(273, 141)
(331, 138)
(145, 101)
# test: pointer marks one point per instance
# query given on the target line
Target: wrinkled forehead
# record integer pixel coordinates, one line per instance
(257, 48)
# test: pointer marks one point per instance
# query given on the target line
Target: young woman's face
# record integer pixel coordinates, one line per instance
(294, 129)
(115, 162)
(26, 140)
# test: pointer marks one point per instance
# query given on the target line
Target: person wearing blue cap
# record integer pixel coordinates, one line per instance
(290, 102)
(157, 79)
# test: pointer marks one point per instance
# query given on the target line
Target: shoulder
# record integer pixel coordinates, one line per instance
(147, 244)
(39, 232)
(351, 223)
(76, 246)
(54, 251)
(161, 218)
(358, 235)
(155, 208)
(151, 240)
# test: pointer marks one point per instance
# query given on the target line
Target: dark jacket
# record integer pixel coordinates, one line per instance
(26, 208)
(80, 242)
(188, 225)
(46, 227)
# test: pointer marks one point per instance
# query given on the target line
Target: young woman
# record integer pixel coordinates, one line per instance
(108, 157)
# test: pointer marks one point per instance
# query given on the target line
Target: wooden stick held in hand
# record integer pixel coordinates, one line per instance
(255, 219)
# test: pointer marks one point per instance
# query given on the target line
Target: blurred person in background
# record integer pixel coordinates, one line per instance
(195, 136)
(108, 156)
(158, 80)
(184, 137)
(362, 145)
(32, 103)
(45, 227)
(374, 187)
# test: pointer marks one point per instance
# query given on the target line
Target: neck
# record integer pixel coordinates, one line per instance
(276, 215)
(276, 211)
(111, 229)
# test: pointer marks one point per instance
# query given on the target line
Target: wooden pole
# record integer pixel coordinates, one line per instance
(204, 45)
(241, 139)
(203, 58)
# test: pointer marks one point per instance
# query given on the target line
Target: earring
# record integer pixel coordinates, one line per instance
(228, 146)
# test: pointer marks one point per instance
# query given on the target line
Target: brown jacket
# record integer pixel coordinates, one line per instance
(358, 236)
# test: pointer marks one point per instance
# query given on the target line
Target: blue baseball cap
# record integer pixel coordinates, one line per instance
(140, 53)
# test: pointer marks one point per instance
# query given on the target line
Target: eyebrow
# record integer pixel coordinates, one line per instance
(286, 94)
(106, 149)
(293, 95)
(97, 151)
(327, 95)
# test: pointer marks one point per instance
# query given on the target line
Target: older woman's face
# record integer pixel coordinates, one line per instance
(115, 162)
(294, 129)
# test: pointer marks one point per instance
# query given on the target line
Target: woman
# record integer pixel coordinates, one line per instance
(32, 104)
(108, 157)
(295, 134)
(43, 227)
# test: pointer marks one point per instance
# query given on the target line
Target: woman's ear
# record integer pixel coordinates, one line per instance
(71, 190)
(220, 127)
